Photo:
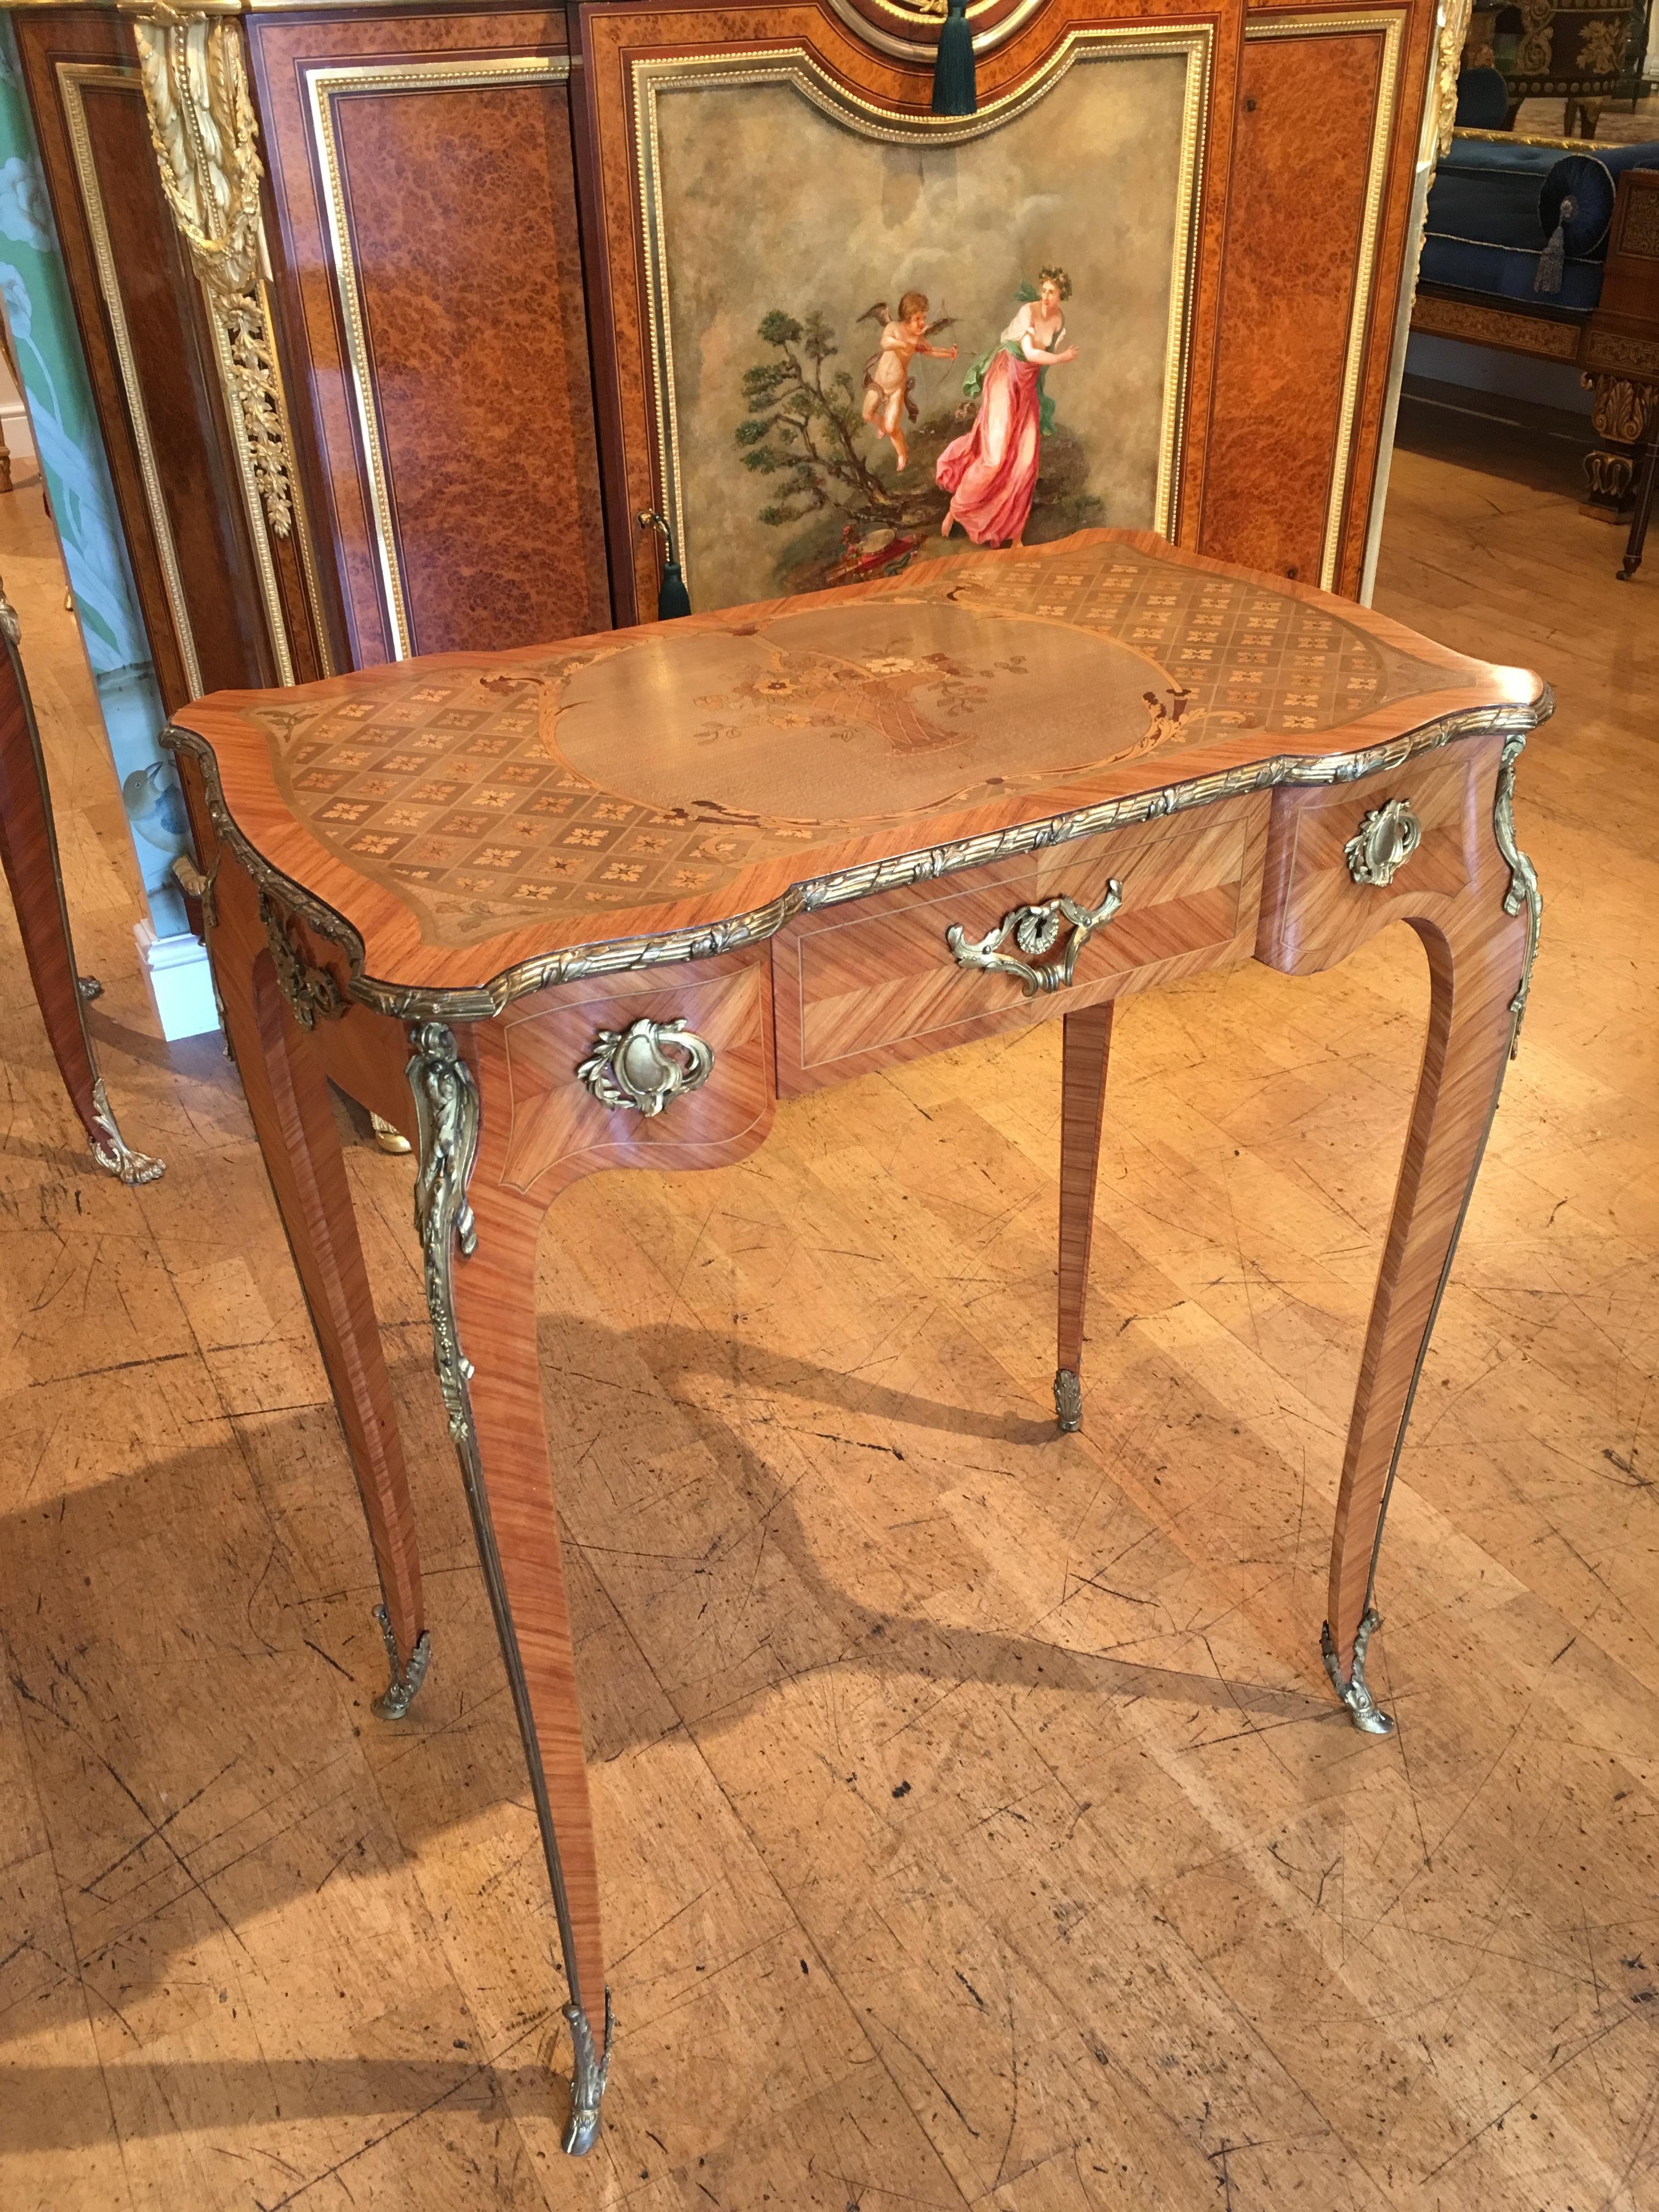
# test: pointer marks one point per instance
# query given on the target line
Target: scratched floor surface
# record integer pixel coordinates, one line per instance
(977, 1827)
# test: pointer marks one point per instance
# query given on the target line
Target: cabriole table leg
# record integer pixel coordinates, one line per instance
(479, 1238)
(29, 852)
(294, 1118)
(1474, 967)
(1085, 1049)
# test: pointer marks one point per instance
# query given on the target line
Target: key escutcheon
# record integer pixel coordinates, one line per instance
(646, 1066)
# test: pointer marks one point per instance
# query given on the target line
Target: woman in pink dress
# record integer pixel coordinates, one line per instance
(991, 473)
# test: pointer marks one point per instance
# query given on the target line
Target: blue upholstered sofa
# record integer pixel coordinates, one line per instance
(1496, 203)
(1551, 248)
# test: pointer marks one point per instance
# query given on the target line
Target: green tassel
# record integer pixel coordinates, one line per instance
(672, 597)
(954, 90)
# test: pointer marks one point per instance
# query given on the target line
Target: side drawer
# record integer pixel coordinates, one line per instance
(873, 982)
(562, 1127)
(1315, 910)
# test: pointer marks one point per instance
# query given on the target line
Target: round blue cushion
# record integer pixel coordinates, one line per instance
(1483, 99)
(1587, 183)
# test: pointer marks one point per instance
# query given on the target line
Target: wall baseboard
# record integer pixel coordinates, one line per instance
(180, 983)
(15, 428)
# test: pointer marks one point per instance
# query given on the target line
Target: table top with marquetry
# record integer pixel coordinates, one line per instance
(498, 819)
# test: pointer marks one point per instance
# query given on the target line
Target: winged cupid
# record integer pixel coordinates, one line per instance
(887, 373)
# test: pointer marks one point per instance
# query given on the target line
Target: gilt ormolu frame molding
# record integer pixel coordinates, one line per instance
(193, 77)
(797, 67)
(324, 84)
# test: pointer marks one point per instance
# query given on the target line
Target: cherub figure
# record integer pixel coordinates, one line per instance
(887, 373)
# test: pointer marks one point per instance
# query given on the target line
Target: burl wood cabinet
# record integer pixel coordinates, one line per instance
(395, 331)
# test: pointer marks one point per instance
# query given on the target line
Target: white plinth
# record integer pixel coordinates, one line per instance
(180, 983)
(15, 428)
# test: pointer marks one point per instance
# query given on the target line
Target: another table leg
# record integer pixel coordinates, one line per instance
(288, 1096)
(480, 1273)
(1473, 1012)
(28, 851)
(1086, 1050)
(1639, 520)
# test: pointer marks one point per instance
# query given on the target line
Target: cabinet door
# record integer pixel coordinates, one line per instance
(1327, 122)
(422, 176)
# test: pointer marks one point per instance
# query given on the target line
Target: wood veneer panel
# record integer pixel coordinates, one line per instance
(1085, 1055)
(1307, 108)
(558, 1131)
(461, 206)
(1314, 912)
(875, 983)
(170, 346)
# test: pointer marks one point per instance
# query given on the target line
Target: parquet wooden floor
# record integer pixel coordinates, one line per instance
(979, 1828)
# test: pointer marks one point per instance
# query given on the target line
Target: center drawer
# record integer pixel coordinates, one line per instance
(876, 981)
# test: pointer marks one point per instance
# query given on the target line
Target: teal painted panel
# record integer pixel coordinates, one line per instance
(52, 370)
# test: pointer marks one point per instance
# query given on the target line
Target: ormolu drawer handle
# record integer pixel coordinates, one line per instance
(646, 1065)
(1034, 930)
(1384, 840)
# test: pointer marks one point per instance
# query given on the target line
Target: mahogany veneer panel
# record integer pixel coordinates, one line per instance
(172, 355)
(1307, 108)
(461, 205)
(876, 983)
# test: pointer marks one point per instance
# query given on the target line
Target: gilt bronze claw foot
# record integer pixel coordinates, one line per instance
(1365, 1711)
(400, 1692)
(589, 2074)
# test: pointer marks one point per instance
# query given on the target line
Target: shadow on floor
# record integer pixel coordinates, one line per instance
(1542, 447)
(161, 1720)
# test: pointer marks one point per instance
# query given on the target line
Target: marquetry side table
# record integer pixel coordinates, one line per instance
(603, 904)
(28, 854)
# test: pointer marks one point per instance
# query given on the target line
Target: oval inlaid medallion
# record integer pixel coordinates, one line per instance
(849, 711)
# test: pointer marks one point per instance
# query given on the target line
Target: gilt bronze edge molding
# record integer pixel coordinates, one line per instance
(448, 1115)
(479, 1002)
(1523, 890)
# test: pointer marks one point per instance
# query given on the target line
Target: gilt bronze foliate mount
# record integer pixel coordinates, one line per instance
(313, 993)
(1036, 930)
